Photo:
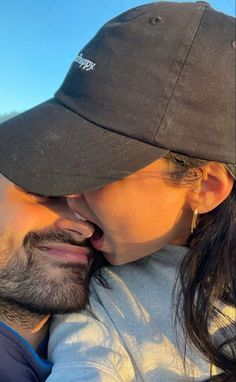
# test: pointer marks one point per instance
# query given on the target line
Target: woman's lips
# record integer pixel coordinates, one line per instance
(67, 252)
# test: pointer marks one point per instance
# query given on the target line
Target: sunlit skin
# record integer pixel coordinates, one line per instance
(22, 212)
(139, 214)
(43, 275)
(45, 250)
(150, 209)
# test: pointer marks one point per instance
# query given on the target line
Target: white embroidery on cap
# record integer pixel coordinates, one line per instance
(84, 63)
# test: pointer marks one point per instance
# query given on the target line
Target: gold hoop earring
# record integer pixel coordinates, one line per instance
(194, 220)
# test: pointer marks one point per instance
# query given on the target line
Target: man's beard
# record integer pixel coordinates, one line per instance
(39, 284)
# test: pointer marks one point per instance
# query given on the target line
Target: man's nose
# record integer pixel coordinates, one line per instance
(81, 230)
(73, 196)
(72, 201)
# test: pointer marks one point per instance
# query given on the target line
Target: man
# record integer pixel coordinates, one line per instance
(45, 263)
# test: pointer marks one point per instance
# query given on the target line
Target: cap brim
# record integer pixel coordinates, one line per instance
(51, 150)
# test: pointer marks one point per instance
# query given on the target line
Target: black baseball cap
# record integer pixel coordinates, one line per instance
(158, 78)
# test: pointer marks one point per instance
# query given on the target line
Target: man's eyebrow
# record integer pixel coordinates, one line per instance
(42, 196)
(31, 192)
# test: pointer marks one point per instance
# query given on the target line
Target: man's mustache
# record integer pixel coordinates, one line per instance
(34, 239)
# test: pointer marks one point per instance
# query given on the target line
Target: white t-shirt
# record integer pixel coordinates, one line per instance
(127, 334)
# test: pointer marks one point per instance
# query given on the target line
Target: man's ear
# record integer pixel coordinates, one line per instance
(212, 188)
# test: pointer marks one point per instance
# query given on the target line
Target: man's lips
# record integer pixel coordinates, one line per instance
(67, 252)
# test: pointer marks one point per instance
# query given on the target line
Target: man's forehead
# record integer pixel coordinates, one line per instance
(4, 181)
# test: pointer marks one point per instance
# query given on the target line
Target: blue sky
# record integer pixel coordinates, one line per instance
(40, 38)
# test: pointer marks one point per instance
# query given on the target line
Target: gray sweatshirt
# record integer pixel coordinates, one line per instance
(127, 334)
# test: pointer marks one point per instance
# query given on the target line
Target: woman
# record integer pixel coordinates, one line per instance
(168, 312)
(182, 211)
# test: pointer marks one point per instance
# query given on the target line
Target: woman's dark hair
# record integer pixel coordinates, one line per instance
(208, 278)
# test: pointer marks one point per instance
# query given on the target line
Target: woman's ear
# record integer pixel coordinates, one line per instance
(212, 188)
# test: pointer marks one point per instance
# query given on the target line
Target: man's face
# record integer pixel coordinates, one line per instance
(44, 253)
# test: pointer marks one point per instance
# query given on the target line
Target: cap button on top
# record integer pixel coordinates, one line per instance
(155, 20)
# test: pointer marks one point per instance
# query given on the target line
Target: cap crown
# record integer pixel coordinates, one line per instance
(162, 73)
